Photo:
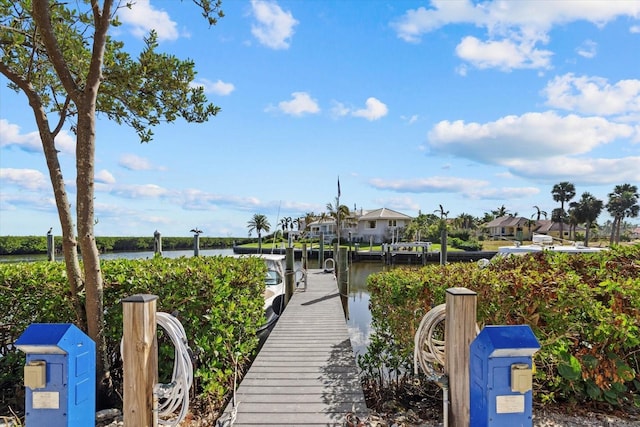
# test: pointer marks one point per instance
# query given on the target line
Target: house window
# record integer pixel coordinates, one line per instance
(392, 223)
(372, 224)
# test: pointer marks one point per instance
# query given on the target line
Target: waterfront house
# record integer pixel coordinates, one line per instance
(364, 226)
(511, 228)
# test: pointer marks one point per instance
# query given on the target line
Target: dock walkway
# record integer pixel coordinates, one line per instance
(305, 373)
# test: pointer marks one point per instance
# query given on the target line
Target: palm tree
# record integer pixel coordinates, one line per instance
(563, 192)
(338, 213)
(465, 221)
(259, 223)
(500, 212)
(586, 211)
(623, 202)
(538, 213)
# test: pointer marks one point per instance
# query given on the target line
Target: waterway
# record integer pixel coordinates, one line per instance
(358, 323)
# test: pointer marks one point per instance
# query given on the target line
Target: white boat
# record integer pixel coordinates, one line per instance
(542, 242)
(274, 287)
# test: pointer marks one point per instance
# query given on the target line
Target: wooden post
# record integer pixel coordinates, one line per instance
(460, 331)
(157, 243)
(343, 280)
(335, 256)
(289, 276)
(140, 360)
(321, 252)
(51, 249)
(443, 246)
(196, 244)
(305, 263)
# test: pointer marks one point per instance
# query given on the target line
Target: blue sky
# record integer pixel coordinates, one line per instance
(412, 104)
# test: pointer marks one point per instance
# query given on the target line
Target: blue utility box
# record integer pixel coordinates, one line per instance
(59, 375)
(501, 376)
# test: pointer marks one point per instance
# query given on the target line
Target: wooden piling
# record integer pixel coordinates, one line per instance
(51, 248)
(196, 244)
(157, 243)
(289, 275)
(140, 360)
(460, 331)
(343, 280)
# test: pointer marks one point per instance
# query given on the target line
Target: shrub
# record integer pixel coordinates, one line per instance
(583, 309)
(217, 299)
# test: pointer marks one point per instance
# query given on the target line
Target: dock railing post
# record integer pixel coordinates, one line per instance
(140, 360)
(460, 331)
(289, 275)
(343, 280)
(321, 252)
(305, 256)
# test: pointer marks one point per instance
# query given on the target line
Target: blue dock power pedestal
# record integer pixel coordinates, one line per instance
(501, 376)
(59, 375)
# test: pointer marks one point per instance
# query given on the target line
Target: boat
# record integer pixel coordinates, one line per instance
(542, 242)
(274, 298)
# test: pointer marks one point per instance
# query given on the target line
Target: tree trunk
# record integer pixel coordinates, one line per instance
(586, 234)
(69, 243)
(613, 231)
(85, 158)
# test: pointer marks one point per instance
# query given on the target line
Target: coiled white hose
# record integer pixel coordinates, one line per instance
(428, 352)
(175, 394)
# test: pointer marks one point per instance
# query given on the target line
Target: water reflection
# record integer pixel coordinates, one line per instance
(359, 322)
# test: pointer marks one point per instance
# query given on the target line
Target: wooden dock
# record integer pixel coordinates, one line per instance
(305, 373)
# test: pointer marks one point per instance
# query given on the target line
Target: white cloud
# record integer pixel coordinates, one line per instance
(143, 18)
(136, 163)
(10, 136)
(274, 26)
(586, 171)
(147, 191)
(411, 119)
(514, 27)
(588, 49)
(105, 177)
(301, 104)
(531, 136)
(593, 95)
(505, 54)
(339, 110)
(434, 184)
(635, 29)
(217, 88)
(469, 188)
(28, 179)
(374, 110)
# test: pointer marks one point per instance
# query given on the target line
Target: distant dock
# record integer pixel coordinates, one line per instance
(305, 374)
(391, 257)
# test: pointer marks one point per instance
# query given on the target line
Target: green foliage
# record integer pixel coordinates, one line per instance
(217, 299)
(29, 245)
(583, 309)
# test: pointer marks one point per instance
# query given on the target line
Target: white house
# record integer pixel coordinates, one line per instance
(375, 226)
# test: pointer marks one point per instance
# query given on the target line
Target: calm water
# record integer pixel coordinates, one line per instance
(359, 322)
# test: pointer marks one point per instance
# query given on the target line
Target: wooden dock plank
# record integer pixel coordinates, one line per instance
(305, 373)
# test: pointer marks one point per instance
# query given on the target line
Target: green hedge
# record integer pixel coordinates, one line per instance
(217, 299)
(29, 245)
(585, 311)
